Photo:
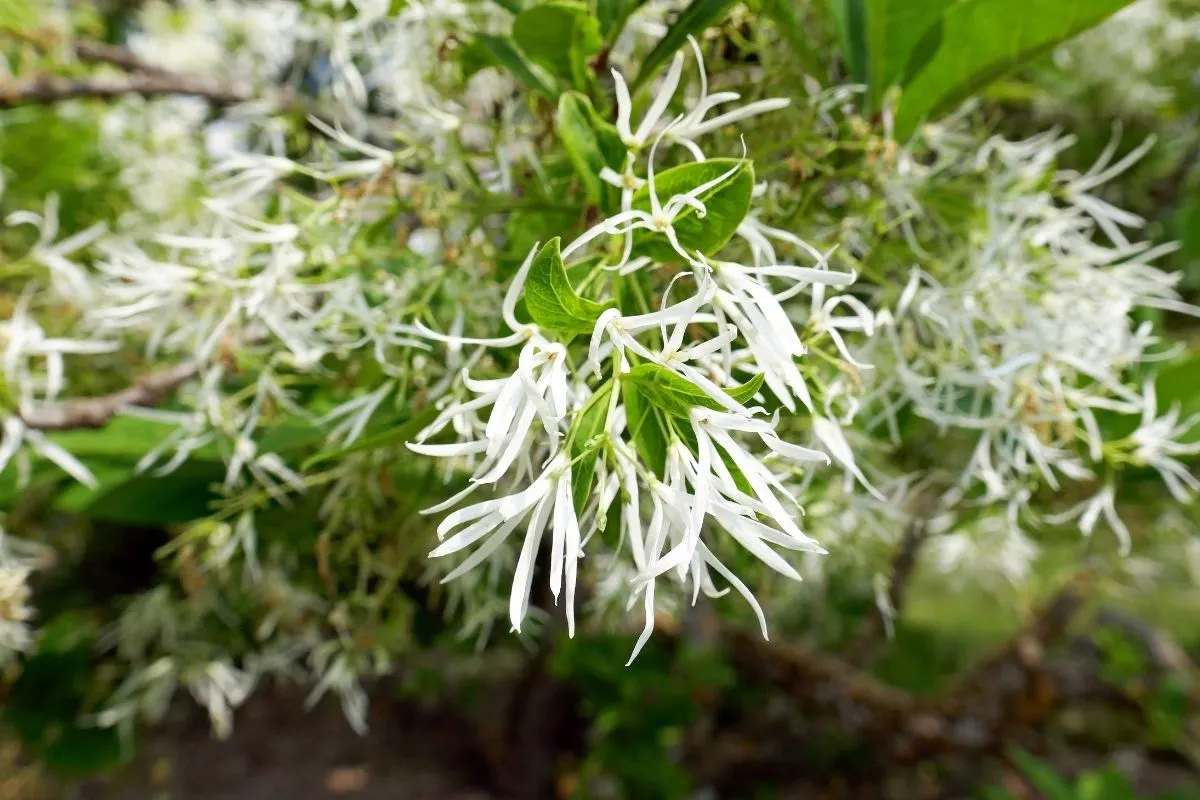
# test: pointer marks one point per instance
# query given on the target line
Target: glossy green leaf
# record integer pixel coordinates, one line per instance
(699, 15)
(893, 29)
(486, 50)
(588, 424)
(551, 300)
(677, 396)
(976, 41)
(559, 37)
(591, 143)
(726, 205)
(648, 429)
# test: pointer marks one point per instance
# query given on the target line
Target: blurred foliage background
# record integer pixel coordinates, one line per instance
(1095, 687)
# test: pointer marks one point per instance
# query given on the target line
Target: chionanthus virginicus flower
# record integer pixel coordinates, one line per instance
(562, 435)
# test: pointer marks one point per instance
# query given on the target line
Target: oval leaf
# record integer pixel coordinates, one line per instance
(550, 298)
(591, 143)
(726, 205)
(496, 51)
(677, 396)
(559, 37)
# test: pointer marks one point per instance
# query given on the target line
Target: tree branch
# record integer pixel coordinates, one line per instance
(1014, 687)
(95, 412)
(47, 89)
(904, 562)
(100, 52)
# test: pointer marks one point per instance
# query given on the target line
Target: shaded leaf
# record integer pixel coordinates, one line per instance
(893, 29)
(648, 429)
(591, 143)
(589, 424)
(612, 15)
(699, 15)
(558, 36)
(53, 692)
(486, 50)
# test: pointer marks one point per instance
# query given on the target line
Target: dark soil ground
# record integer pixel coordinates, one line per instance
(279, 750)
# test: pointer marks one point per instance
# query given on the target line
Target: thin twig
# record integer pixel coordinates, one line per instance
(95, 412)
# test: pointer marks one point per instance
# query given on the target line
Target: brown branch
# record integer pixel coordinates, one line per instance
(47, 89)
(904, 562)
(95, 412)
(100, 52)
(1013, 687)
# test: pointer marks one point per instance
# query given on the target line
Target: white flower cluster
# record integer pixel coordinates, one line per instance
(1028, 343)
(1134, 56)
(716, 459)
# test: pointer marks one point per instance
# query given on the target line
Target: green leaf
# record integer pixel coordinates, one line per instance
(395, 434)
(800, 40)
(591, 143)
(588, 424)
(558, 36)
(487, 51)
(1043, 777)
(849, 18)
(612, 15)
(17, 15)
(745, 393)
(677, 396)
(976, 41)
(550, 298)
(726, 205)
(893, 29)
(1177, 385)
(1107, 784)
(56, 687)
(648, 428)
(699, 15)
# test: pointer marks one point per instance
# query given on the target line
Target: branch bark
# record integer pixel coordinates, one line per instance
(48, 89)
(866, 643)
(95, 412)
(1014, 687)
(101, 52)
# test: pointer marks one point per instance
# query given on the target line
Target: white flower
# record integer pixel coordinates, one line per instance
(1089, 512)
(15, 612)
(537, 390)
(659, 219)
(638, 139)
(221, 688)
(700, 486)
(757, 311)
(1157, 445)
(546, 502)
(69, 279)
